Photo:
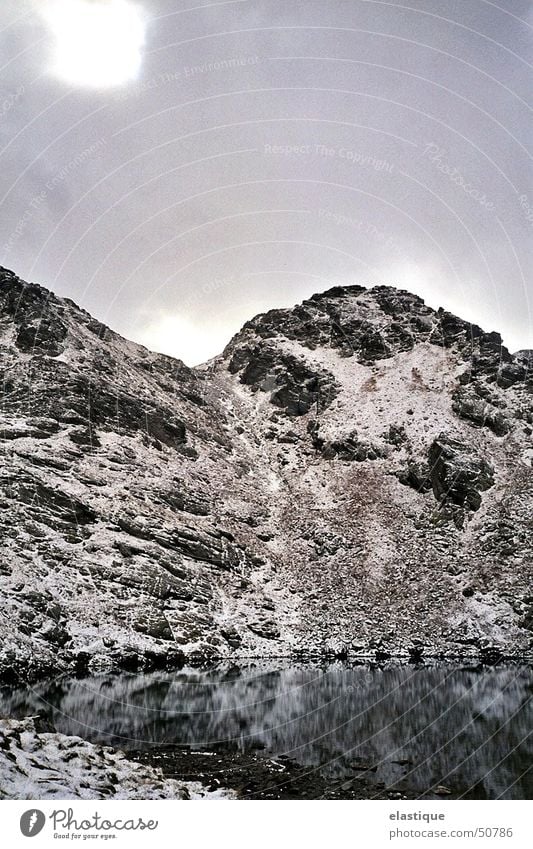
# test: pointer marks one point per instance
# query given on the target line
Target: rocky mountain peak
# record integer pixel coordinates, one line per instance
(60, 364)
(369, 326)
(42, 320)
(351, 475)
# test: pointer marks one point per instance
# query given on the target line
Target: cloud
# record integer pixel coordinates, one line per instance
(180, 192)
(181, 337)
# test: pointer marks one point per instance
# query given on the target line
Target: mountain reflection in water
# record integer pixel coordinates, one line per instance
(463, 726)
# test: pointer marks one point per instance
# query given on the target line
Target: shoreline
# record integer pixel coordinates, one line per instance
(85, 666)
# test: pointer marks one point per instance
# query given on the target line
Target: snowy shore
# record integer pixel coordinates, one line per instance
(36, 763)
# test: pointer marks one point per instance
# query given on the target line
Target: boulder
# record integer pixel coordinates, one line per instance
(458, 475)
(153, 622)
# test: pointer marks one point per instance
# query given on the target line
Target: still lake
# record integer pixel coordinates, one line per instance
(465, 726)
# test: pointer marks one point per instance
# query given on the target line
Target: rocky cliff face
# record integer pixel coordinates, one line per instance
(351, 475)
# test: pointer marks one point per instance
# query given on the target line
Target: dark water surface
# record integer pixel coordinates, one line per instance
(467, 727)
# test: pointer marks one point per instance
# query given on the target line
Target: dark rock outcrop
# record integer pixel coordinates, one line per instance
(457, 474)
(293, 385)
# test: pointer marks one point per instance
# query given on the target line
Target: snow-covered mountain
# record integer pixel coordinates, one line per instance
(351, 475)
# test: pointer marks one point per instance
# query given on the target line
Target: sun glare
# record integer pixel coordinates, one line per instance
(98, 43)
(190, 341)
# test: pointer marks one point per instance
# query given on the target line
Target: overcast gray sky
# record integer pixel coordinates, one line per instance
(177, 167)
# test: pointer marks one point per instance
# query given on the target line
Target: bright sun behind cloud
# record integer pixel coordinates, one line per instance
(98, 43)
(190, 341)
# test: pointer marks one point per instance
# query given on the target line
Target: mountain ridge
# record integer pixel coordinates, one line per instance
(350, 476)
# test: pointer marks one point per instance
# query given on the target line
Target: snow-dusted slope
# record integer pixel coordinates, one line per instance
(397, 443)
(39, 763)
(350, 475)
